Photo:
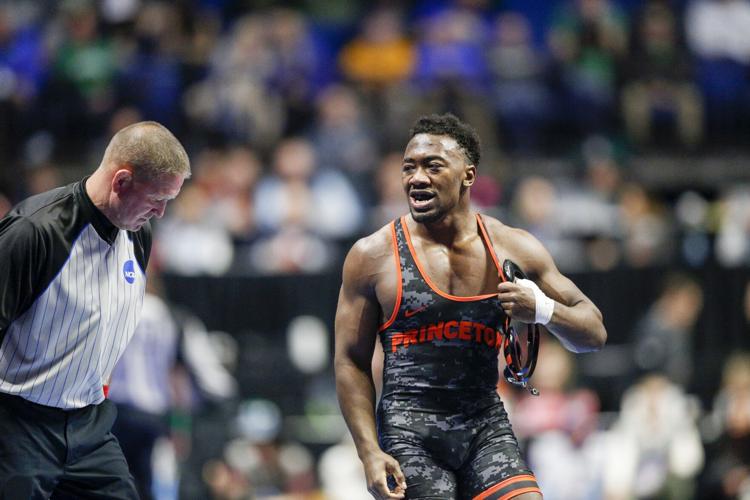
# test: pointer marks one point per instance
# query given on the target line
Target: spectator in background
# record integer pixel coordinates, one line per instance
(379, 61)
(190, 242)
(587, 211)
(380, 55)
(299, 66)
(646, 229)
(535, 209)
(232, 206)
(389, 198)
(451, 70)
(23, 62)
(719, 29)
(343, 139)
(588, 39)
(235, 100)
(82, 91)
(150, 78)
(728, 472)
(302, 208)
(654, 448)
(733, 235)
(658, 82)
(341, 476)
(143, 383)
(559, 429)
(662, 339)
(718, 32)
(258, 462)
(449, 54)
(519, 90)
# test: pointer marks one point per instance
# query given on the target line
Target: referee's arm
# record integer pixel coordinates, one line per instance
(22, 258)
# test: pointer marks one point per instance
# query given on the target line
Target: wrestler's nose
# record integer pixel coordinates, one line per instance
(420, 178)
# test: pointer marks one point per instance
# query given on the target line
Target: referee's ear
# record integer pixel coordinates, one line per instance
(122, 180)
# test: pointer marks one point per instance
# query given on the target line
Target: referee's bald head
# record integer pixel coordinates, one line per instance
(149, 149)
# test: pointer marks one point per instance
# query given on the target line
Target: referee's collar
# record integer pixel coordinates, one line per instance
(103, 226)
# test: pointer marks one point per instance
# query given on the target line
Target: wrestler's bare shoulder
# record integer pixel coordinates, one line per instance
(517, 244)
(371, 253)
(375, 245)
(508, 235)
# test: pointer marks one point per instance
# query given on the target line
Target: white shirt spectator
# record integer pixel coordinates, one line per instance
(719, 28)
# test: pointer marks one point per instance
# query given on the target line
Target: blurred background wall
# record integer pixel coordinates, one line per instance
(613, 130)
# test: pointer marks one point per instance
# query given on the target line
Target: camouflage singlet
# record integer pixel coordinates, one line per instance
(439, 413)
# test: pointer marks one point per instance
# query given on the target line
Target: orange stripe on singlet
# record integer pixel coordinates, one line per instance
(399, 287)
(503, 484)
(490, 248)
(427, 279)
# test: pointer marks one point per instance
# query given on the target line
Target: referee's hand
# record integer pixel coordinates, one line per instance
(379, 466)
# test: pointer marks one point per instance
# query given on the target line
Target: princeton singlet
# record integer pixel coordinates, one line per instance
(437, 345)
(72, 289)
(439, 413)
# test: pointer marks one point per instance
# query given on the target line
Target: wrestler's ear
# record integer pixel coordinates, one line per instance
(470, 176)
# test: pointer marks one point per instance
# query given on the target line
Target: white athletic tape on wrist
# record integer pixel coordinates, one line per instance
(544, 305)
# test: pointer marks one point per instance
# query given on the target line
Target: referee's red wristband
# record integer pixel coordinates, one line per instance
(105, 388)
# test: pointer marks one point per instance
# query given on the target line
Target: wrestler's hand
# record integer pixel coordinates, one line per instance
(517, 301)
(378, 467)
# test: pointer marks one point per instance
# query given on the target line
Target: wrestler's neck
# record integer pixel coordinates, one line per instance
(455, 227)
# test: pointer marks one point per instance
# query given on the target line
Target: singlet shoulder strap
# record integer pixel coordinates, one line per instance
(399, 282)
(490, 248)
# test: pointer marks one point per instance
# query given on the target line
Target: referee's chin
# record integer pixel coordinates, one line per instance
(135, 226)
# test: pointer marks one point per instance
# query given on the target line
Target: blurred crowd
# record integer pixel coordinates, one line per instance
(190, 430)
(295, 117)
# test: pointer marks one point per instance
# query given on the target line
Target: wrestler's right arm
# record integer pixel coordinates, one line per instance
(356, 329)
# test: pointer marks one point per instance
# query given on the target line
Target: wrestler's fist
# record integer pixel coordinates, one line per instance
(379, 466)
(517, 301)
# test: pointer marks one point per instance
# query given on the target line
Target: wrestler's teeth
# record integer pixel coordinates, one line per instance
(421, 196)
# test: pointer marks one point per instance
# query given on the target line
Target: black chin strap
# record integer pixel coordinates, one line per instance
(517, 371)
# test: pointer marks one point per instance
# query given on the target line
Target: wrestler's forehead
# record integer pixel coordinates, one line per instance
(422, 145)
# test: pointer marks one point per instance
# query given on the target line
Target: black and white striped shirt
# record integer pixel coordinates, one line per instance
(71, 291)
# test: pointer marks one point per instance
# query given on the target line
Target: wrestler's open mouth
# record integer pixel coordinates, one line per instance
(421, 199)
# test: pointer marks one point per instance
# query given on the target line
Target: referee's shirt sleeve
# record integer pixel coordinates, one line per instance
(22, 258)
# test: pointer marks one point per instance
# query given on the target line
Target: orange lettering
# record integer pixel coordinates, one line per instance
(396, 340)
(422, 333)
(448, 330)
(411, 337)
(464, 330)
(478, 329)
(435, 331)
(489, 336)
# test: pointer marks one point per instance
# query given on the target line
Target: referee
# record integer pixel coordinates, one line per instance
(72, 280)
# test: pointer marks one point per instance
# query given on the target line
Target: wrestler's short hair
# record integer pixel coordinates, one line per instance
(450, 125)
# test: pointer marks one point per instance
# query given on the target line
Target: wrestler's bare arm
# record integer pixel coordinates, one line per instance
(576, 321)
(357, 318)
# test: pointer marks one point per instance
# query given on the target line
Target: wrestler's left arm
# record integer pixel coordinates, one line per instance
(575, 320)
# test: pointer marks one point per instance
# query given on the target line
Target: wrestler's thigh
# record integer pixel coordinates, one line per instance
(426, 479)
(496, 471)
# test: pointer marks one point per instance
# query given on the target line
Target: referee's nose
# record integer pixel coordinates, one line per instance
(159, 209)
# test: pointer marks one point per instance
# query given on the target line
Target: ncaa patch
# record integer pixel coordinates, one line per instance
(128, 270)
